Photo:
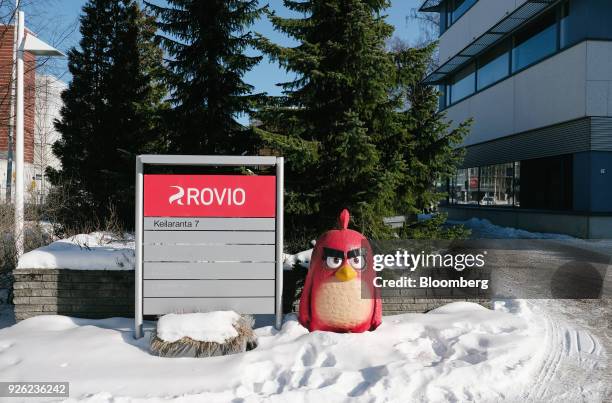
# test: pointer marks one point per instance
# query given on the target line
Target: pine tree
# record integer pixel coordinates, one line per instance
(333, 112)
(110, 112)
(206, 43)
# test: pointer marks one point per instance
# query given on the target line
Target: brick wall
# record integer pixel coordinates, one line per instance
(77, 293)
(6, 57)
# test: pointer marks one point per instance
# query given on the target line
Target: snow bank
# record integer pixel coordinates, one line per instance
(482, 228)
(212, 327)
(104, 251)
(95, 251)
(459, 352)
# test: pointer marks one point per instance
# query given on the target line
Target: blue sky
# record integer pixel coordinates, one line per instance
(64, 13)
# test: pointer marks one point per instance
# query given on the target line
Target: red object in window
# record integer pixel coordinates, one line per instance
(473, 182)
(209, 196)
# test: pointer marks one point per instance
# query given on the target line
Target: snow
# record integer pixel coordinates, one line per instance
(459, 352)
(105, 251)
(301, 258)
(95, 251)
(482, 228)
(213, 327)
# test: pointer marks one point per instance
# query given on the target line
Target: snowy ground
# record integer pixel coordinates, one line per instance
(460, 352)
(535, 351)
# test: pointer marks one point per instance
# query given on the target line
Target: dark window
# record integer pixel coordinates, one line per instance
(494, 65)
(464, 84)
(442, 97)
(546, 183)
(517, 184)
(535, 42)
(564, 25)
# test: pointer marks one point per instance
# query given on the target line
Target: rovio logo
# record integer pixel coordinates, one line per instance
(208, 196)
(177, 196)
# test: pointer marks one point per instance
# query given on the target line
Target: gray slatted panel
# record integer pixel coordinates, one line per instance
(209, 253)
(601, 134)
(160, 306)
(173, 271)
(566, 138)
(208, 288)
(209, 237)
(209, 224)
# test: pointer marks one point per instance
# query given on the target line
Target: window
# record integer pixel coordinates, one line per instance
(535, 42)
(546, 183)
(442, 97)
(564, 25)
(494, 65)
(456, 8)
(493, 185)
(463, 85)
(497, 185)
(517, 184)
(527, 46)
(464, 187)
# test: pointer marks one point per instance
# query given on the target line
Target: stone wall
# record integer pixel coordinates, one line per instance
(77, 293)
(404, 301)
(394, 301)
(106, 293)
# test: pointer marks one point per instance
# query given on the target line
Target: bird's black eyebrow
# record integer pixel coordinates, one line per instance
(356, 252)
(329, 252)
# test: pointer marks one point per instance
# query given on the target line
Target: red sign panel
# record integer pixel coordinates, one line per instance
(209, 196)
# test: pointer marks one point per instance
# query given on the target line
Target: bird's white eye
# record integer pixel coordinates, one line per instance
(357, 262)
(333, 262)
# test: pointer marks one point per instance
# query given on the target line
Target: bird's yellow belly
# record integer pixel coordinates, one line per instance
(340, 303)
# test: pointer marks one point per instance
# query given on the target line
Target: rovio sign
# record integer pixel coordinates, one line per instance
(208, 242)
(209, 196)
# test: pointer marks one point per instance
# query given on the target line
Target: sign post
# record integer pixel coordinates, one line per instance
(208, 242)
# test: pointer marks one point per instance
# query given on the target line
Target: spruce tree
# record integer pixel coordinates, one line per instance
(206, 42)
(110, 113)
(334, 112)
(425, 143)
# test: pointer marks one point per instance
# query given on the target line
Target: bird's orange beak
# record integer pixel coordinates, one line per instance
(346, 273)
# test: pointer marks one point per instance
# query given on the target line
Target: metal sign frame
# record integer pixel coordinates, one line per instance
(206, 160)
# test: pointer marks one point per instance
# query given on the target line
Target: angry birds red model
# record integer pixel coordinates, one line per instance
(339, 295)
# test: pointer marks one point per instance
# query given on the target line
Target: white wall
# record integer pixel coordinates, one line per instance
(482, 16)
(572, 84)
(599, 79)
(48, 105)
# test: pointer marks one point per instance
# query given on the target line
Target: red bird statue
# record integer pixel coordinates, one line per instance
(332, 298)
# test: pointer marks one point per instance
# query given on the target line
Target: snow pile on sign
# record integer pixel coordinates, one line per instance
(212, 327)
(460, 352)
(95, 251)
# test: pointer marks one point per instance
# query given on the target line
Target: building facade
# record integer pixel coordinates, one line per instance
(536, 78)
(7, 174)
(42, 102)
